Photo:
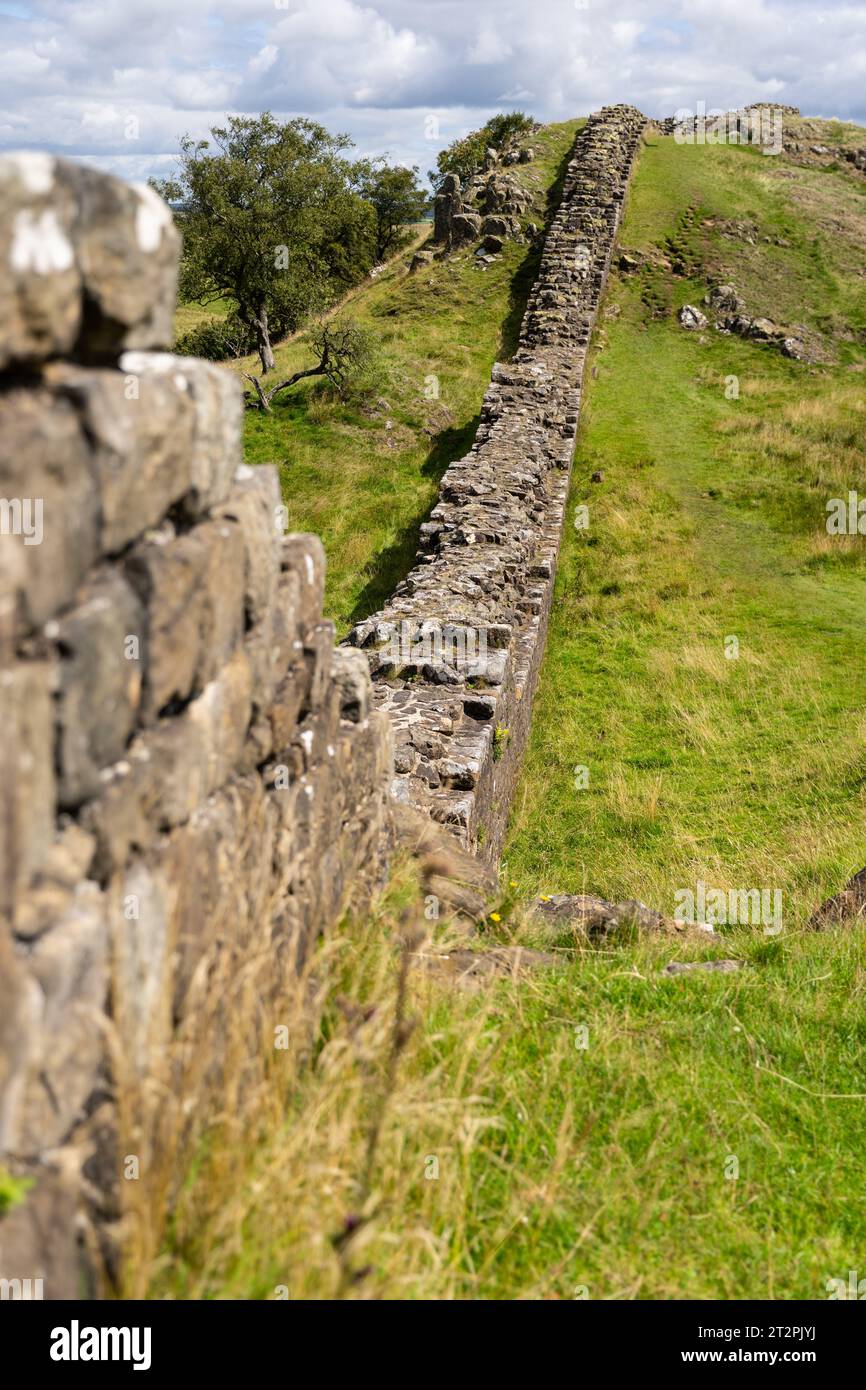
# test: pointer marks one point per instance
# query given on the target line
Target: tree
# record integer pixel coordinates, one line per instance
(342, 349)
(466, 156)
(396, 199)
(271, 217)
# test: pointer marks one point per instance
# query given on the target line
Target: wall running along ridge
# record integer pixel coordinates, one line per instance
(195, 781)
(455, 654)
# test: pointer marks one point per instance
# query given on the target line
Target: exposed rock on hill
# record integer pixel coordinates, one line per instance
(593, 917)
(848, 905)
(691, 317)
(490, 204)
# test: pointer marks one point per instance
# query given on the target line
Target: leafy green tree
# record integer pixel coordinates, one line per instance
(271, 217)
(465, 157)
(397, 200)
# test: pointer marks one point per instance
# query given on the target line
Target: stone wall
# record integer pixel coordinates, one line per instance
(195, 779)
(455, 653)
(192, 774)
(756, 124)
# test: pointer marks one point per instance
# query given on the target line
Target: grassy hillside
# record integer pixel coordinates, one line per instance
(364, 474)
(710, 524)
(600, 1129)
(190, 316)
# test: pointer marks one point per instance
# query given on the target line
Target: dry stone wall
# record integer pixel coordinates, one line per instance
(455, 653)
(192, 774)
(195, 780)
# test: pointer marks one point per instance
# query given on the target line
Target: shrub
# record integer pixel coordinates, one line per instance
(217, 339)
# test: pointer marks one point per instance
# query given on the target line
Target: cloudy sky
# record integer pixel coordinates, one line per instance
(116, 82)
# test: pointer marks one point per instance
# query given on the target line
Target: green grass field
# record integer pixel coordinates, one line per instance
(189, 316)
(600, 1129)
(710, 525)
(597, 1130)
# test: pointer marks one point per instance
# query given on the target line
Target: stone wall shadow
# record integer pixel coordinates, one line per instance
(394, 562)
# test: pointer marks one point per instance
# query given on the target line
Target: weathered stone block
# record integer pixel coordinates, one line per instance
(446, 205)
(351, 673)
(140, 902)
(304, 555)
(260, 653)
(65, 864)
(496, 226)
(169, 770)
(205, 887)
(20, 1016)
(100, 671)
(254, 502)
(192, 587)
(26, 743)
(88, 264)
(318, 654)
(141, 428)
(291, 697)
(243, 864)
(69, 963)
(288, 604)
(49, 501)
(217, 399)
(465, 226)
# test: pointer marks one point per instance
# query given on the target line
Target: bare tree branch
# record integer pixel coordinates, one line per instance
(342, 347)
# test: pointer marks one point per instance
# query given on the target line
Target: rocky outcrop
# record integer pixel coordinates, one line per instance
(691, 317)
(194, 779)
(730, 317)
(856, 157)
(847, 906)
(490, 205)
(562, 916)
(760, 123)
(455, 653)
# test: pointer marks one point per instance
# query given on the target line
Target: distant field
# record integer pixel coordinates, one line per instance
(190, 316)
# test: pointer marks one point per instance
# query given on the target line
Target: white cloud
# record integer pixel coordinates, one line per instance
(72, 75)
(202, 91)
(625, 31)
(265, 58)
(489, 47)
(22, 64)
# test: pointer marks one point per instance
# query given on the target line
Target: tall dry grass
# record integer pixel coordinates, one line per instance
(320, 1147)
